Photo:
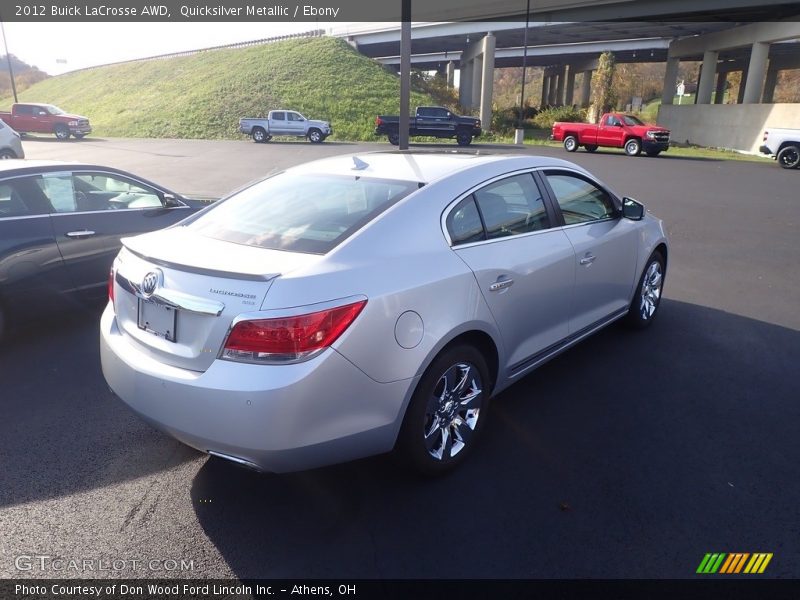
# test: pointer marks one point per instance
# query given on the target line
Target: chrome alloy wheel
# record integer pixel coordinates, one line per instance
(651, 290)
(453, 411)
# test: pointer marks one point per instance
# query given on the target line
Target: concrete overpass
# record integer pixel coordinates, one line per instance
(567, 42)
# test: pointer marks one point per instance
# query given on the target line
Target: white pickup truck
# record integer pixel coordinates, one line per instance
(783, 144)
(285, 123)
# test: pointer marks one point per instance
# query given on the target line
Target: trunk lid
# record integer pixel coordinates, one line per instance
(177, 292)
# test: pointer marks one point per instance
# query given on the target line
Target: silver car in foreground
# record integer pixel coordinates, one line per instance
(357, 304)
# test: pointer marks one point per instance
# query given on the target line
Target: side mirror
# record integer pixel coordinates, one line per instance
(170, 201)
(631, 209)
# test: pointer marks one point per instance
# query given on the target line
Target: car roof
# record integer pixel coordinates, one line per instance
(11, 168)
(422, 167)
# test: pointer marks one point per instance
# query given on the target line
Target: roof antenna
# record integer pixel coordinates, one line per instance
(359, 165)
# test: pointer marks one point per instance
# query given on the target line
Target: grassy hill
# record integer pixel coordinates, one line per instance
(203, 95)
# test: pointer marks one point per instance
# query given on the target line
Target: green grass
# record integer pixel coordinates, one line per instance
(204, 95)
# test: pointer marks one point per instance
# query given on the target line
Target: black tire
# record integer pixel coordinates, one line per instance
(653, 153)
(7, 154)
(633, 147)
(259, 135)
(591, 147)
(62, 132)
(570, 143)
(79, 136)
(315, 136)
(394, 138)
(789, 157)
(464, 139)
(642, 311)
(429, 403)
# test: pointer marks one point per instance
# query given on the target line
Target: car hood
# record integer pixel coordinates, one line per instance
(71, 117)
(319, 123)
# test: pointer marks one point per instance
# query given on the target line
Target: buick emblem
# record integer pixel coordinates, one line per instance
(150, 283)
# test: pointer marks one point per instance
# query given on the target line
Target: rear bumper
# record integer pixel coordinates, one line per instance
(765, 150)
(276, 418)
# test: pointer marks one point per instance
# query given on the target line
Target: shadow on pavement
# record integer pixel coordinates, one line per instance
(61, 429)
(631, 455)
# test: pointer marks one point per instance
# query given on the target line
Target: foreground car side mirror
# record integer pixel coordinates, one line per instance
(631, 209)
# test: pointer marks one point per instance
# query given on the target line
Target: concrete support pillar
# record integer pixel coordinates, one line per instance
(719, 90)
(545, 89)
(487, 81)
(477, 69)
(670, 80)
(586, 89)
(742, 79)
(769, 84)
(465, 84)
(451, 74)
(706, 83)
(562, 81)
(569, 92)
(755, 73)
(551, 97)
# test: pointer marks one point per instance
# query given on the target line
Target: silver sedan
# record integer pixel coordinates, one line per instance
(359, 304)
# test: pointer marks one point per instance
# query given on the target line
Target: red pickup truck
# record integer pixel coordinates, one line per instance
(615, 130)
(45, 118)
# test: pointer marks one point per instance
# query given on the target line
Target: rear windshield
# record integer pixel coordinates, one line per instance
(301, 213)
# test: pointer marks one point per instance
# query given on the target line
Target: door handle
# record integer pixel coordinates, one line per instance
(78, 235)
(588, 259)
(501, 285)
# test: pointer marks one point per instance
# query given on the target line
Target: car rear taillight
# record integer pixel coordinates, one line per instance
(111, 285)
(289, 339)
(378, 121)
(766, 133)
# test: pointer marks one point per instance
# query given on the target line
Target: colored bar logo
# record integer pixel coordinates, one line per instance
(734, 563)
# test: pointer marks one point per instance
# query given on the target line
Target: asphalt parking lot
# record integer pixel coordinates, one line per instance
(630, 456)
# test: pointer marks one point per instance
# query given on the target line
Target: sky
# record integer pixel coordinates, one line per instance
(56, 48)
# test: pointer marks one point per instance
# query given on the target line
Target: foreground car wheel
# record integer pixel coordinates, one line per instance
(647, 298)
(570, 143)
(7, 154)
(62, 132)
(633, 147)
(394, 139)
(446, 413)
(464, 139)
(789, 157)
(315, 136)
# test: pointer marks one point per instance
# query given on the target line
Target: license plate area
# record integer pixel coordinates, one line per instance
(157, 319)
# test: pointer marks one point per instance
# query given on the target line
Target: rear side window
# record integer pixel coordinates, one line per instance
(512, 206)
(13, 202)
(464, 223)
(278, 116)
(301, 213)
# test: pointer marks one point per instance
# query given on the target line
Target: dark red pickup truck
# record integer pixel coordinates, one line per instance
(45, 118)
(615, 130)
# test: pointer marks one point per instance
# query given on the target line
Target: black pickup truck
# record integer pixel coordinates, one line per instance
(431, 121)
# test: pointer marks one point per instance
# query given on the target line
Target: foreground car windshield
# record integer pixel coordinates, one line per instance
(302, 213)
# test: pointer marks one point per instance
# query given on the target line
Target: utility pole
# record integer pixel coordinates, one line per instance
(8, 58)
(519, 134)
(405, 72)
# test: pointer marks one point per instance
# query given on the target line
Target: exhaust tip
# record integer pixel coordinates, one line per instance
(235, 459)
